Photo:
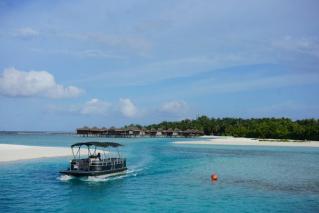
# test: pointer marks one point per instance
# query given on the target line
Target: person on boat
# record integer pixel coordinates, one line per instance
(99, 156)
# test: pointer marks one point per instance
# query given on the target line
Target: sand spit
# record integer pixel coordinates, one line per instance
(215, 140)
(11, 152)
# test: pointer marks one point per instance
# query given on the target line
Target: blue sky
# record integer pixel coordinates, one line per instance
(66, 64)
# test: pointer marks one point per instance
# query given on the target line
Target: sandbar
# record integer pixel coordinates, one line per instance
(221, 140)
(12, 152)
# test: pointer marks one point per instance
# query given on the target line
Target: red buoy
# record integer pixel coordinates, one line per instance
(214, 177)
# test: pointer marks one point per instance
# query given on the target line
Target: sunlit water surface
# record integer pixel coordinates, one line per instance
(165, 177)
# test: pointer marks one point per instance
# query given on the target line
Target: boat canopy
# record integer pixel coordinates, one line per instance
(97, 144)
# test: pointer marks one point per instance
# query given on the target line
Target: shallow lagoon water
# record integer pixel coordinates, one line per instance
(166, 177)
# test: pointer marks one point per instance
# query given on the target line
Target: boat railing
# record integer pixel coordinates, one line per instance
(107, 161)
(96, 163)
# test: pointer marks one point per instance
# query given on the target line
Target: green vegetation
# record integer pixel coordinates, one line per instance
(276, 128)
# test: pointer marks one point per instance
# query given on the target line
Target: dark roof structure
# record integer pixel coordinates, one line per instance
(97, 144)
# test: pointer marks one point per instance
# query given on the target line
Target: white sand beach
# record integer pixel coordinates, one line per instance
(11, 152)
(216, 140)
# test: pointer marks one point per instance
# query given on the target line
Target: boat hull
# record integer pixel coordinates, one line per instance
(79, 173)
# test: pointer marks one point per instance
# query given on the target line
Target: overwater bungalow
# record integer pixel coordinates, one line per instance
(120, 132)
(188, 133)
(133, 131)
(136, 132)
(168, 133)
(176, 132)
(104, 131)
(111, 131)
(159, 132)
(95, 131)
(143, 132)
(153, 132)
(83, 131)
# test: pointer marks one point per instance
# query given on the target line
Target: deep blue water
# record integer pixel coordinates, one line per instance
(164, 177)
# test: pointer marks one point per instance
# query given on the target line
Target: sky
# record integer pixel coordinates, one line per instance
(68, 64)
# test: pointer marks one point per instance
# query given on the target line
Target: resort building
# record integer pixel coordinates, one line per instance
(136, 132)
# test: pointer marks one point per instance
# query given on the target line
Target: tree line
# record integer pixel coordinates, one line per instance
(276, 128)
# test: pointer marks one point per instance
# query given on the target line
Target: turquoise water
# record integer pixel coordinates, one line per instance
(164, 177)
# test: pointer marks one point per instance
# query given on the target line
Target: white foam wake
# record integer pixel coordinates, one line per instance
(103, 178)
(65, 177)
(110, 177)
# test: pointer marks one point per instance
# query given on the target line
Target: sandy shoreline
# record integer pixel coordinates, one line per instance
(11, 152)
(215, 140)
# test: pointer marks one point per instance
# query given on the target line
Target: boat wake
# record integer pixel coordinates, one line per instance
(65, 177)
(103, 178)
(110, 177)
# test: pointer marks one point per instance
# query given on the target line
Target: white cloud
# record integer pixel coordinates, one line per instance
(63, 108)
(26, 33)
(127, 107)
(92, 107)
(175, 107)
(135, 43)
(95, 107)
(309, 46)
(94, 53)
(211, 86)
(175, 68)
(59, 91)
(89, 53)
(14, 82)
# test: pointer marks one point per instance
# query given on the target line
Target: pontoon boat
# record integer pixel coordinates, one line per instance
(96, 163)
